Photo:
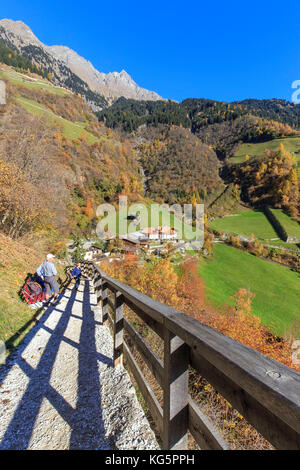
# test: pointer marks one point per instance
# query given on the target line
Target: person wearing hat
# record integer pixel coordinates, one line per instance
(47, 271)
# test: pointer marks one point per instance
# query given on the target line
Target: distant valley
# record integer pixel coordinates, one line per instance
(89, 137)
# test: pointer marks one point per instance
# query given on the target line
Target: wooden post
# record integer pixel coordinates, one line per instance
(94, 278)
(118, 328)
(98, 287)
(175, 410)
(104, 303)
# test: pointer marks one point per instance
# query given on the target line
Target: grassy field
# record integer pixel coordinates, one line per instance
(246, 223)
(276, 288)
(71, 130)
(292, 144)
(292, 228)
(282, 244)
(30, 82)
(16, 261)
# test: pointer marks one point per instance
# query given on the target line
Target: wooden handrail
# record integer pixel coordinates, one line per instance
(264, 391)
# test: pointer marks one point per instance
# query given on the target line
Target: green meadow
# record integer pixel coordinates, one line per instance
(29, 82)
(255, 223)
(292, 144)
(276, 288)
(71, 130)
(246, 223)
(291, 226)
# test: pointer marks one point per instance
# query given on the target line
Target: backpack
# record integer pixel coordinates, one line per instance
(34, 287)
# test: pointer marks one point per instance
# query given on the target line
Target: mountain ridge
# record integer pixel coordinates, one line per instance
(68, 67)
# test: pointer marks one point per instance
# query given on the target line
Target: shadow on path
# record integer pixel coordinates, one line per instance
(85, 421)
(88, 416)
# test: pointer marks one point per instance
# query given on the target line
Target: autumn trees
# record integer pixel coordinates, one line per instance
(69, 106)
(179, 168)
(21, 207)
(31, 184)
(64, 178)
(271, 180)
(264, 130)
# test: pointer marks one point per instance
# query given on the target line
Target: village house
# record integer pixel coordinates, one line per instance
(160, 233)
(92, 252)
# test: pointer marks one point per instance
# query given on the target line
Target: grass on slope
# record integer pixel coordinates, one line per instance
(16, 261)
(291, 144)
(71, 130)
(246, 223)
(291, 226)
(282, 244)
(30, 82)
(276, 288)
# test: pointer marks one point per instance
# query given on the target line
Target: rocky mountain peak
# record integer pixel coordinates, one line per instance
(19, 29)
(111, 85)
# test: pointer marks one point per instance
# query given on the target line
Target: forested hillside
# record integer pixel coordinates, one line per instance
(63, 161)
(73, 162)
(130, 114)
(270, 181)
(179, 168)
(277, 110)
(195, 113)
(179, 146)
(11, 57)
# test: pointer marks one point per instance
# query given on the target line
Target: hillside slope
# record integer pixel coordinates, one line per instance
(196, 113)
(178, 167)
(66, 156)
(17, 259)
(232, 269)
(64, 163)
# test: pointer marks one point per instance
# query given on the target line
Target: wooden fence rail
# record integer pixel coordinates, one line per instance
(264, 391)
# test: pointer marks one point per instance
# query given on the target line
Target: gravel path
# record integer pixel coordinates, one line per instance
(60, 391)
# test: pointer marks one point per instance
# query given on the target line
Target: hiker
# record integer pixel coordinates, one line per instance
(76, 274)
(47, 271)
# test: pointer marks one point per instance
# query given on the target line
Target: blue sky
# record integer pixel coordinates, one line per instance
(221, 50)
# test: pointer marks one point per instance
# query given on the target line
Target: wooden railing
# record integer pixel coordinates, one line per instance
(264, 391)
